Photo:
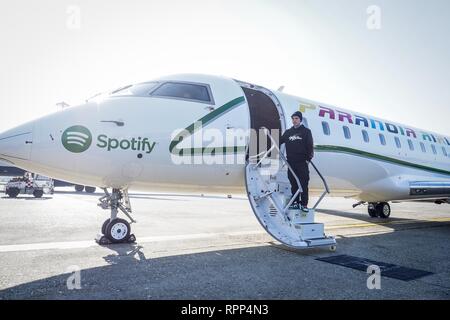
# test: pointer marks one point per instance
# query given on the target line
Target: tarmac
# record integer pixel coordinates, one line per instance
(212, 247)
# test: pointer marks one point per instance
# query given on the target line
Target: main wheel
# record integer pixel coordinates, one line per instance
(105, 225)
(38, 193)
(383, 210)
(372, 210)
(89, 189)
(79, 188)
(13, 192)
(118, 231)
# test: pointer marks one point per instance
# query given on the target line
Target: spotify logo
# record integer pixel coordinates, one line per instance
(76, 139)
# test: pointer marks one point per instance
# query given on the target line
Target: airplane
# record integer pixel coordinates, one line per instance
(195, 132)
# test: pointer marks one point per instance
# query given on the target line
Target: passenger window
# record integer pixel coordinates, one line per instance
(382, 139)
(397, 142)
(365, 136)
(347, 133)
(411, 145)
(422, 146)
(444, 151)
(184, 91)
(434, 149)
(326, 128)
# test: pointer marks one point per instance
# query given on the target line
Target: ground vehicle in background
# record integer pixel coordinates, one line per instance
(29, 183)
(7, 170)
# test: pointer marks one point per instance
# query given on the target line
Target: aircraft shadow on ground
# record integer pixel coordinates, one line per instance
(262, 272)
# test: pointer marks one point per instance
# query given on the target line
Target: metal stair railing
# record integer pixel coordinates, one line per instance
(325, 184)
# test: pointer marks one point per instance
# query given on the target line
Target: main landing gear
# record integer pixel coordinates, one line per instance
(116, 230)
(380, 209)
(376, 209)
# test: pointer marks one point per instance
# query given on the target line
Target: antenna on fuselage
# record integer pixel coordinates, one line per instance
(62, 105)
(281, 89)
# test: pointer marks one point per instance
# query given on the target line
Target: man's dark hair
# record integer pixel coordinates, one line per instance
(297, 114)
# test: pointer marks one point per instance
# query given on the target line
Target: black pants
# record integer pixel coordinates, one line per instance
(301, 169)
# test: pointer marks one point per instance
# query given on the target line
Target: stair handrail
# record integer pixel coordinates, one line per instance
(327, 189)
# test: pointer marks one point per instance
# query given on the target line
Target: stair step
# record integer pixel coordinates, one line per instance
(308, 231)
(299, 217)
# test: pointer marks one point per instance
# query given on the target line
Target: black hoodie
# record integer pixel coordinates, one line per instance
(299, 144)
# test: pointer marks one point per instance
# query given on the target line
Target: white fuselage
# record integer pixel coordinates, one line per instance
(134, 144)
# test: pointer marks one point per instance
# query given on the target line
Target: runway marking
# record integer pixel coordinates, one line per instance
(92, 243)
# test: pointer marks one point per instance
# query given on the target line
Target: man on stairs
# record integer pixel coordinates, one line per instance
(300, 150)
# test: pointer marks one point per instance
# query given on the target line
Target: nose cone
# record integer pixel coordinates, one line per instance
(16, 144)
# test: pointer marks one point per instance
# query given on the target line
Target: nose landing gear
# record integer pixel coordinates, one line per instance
(115, 230)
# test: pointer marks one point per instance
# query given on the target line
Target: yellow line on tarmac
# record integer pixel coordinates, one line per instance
(366, 225)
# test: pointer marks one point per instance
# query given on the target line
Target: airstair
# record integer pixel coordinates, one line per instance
(269, 192)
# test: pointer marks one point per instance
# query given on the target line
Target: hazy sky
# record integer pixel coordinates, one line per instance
(318, 49)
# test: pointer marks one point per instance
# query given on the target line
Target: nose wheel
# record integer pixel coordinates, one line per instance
(116, 230)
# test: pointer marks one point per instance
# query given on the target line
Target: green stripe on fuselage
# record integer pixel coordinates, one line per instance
(191, 129)
(373, 156)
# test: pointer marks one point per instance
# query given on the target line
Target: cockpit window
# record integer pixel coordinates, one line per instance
(140, 89)
(184, 91)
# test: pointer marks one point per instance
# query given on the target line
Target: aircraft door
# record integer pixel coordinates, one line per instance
(265, 111)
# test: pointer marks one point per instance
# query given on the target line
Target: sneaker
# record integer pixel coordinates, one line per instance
(304, 209)
(294, 206)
